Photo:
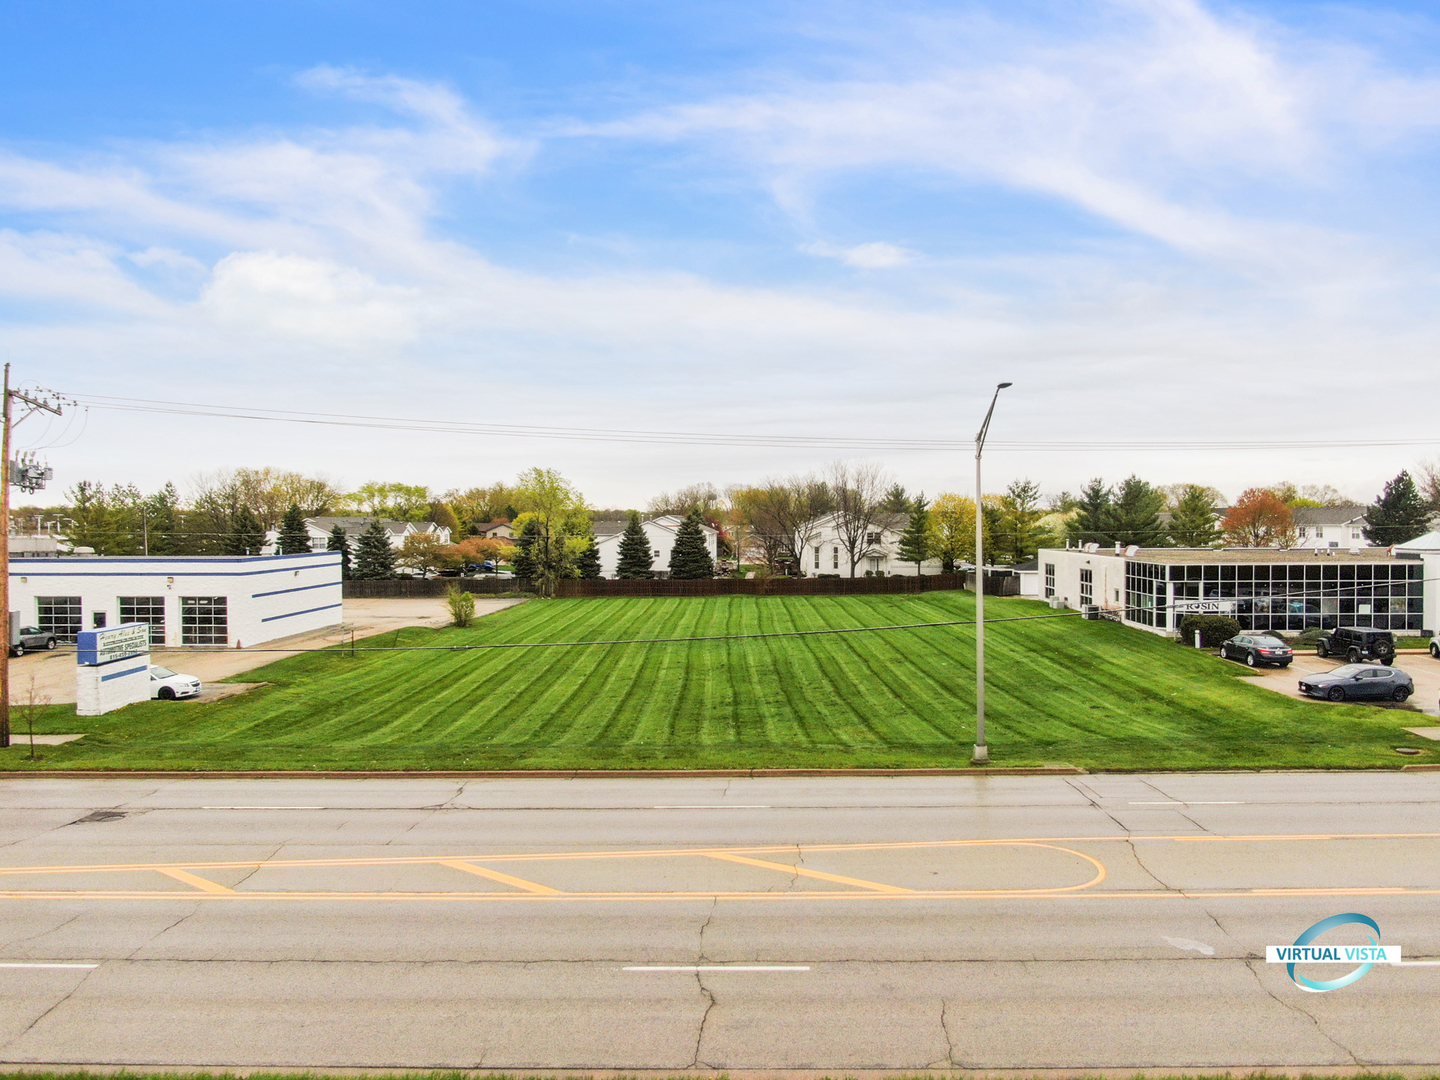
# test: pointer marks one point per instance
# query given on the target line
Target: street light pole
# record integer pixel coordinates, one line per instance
(982, 752)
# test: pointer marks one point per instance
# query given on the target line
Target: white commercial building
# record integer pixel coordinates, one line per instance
(660, 531)
(222, 601)
(1264, 589)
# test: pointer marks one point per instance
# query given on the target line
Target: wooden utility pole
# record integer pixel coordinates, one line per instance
(11, 396)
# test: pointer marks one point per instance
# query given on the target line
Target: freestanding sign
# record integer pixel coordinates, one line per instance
(112, 668)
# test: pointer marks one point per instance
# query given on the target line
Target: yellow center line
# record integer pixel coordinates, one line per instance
(504, 879)
(819, 875)
(194, 880)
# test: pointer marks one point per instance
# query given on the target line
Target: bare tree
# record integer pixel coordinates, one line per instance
(30, 707)
(857, 492)
(703, 496)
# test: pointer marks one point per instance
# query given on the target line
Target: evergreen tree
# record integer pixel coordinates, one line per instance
(161, 524)
(246, 536)
(1193, 524)
(915, 541)
(294, 537)
(524, 564)
(1017, 531)
(587, 563)
(374, 557)
(340, 542)
(1399, 514)
(896, 501)
(1135, 514)
(690, 557)
(635, 555)
(1092, 523)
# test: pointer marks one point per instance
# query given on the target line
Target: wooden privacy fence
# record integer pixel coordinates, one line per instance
(1008, 585)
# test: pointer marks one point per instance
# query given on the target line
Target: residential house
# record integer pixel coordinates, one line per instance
(661, 532)
(826, 555)
(1320, 528)
(492, 530)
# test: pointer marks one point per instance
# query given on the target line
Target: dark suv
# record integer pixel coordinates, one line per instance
(1356, 643)
(31, 638)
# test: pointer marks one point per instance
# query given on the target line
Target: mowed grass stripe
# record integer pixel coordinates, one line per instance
(1093, 693)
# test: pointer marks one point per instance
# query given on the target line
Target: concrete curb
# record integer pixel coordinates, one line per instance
(509, 774)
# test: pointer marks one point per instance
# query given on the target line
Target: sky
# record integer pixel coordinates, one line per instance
(1167, 222)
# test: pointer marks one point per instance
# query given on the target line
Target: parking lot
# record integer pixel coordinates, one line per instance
(1420, 666)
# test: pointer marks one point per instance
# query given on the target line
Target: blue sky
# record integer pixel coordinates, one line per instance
(1161, 219)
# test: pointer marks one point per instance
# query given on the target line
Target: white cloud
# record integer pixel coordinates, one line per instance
(876, 255)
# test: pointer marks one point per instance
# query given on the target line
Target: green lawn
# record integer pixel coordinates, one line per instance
(1093, 694)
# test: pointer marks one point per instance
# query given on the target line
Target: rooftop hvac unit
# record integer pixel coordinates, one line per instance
(1132, 551)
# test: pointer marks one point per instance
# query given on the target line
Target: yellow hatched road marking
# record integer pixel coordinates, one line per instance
(786, 868)
(194, 880)
(504, 879)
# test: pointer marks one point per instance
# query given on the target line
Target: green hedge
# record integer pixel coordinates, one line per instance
(1214, 629)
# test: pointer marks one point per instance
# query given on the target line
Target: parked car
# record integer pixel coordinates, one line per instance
(1357, 643)
(1257, 650)
(32, 639)
(1435, 648)
(168, 685)
(1359, 682)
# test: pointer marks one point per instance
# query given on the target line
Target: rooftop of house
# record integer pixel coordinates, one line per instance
(1328, 515)
(353, 526)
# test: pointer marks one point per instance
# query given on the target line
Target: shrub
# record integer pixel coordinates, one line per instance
(1214, 629)
(1310, 637)
(462, 606)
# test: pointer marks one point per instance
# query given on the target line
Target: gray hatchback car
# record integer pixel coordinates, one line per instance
(1359, 682)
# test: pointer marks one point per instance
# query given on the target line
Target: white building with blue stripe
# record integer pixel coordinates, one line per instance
(187, 601)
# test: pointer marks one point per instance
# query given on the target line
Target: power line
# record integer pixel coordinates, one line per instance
(693, 438)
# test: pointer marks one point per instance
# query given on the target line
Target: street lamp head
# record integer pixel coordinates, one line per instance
(1003, 385)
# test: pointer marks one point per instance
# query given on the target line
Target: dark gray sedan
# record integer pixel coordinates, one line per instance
(1257, 650)
(1359, 682)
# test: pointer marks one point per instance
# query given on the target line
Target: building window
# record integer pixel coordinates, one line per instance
(817, 556)
(1354, 534)
(835, 558)
(1087, 587)
(146, 609)
(1301, 532)
(1145, 596)
(1319, 533)
(872, 538)
(1049, 580)
(60, 615)
(203, 620)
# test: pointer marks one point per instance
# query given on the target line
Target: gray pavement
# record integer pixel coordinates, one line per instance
(1087, 922)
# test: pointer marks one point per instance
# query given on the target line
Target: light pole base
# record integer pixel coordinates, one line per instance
(981, 755)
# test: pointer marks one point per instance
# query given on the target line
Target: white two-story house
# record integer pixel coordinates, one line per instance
(319, 529)
(661, 532)
(879, 555)
(1319, 528)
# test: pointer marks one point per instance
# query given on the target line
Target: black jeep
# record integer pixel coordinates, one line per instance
(1357, 643)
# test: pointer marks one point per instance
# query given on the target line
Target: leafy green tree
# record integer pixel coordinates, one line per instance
(1135, 514)
(374, 557)
(1018, 534)
(1193, 523)
(524, 564)
(338, 541)
(246, 535)
(587, 563)
(294, 538)
(916, 540)
(1399, 514)
(690, 557)
(1093, 521)
(161, 523)
(564, 520)
(400, 502)
(636, 558)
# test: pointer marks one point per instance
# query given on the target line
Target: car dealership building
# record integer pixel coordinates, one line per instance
(1272, 589)
(219, 601)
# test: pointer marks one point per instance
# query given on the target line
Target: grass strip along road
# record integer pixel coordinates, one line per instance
(1093, 694)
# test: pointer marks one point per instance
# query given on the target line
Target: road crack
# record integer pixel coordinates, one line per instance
(695, 1062)
(1293, 1007)
(20, 1035)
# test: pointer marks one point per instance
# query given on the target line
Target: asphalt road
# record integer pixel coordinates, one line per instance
(1086, 922)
